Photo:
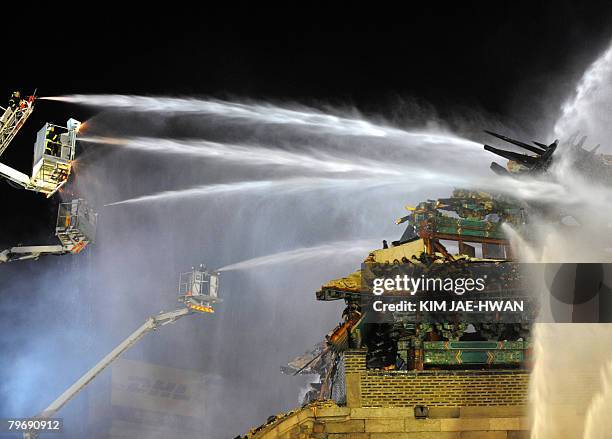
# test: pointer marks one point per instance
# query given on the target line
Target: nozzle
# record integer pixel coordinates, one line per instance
(73, 124)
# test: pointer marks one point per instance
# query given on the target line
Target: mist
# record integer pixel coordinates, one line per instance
(282, 198)
(279, 211)
(570, 384)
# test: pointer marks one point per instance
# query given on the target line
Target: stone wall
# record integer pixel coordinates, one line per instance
(444, 388)
(477, 404)
(328, 421)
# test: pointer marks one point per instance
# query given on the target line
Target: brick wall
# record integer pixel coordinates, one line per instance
(375, 388)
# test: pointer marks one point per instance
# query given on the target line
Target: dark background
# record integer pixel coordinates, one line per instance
(477, 55)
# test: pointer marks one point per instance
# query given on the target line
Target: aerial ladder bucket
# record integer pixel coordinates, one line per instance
(75, 229)
(54, 150)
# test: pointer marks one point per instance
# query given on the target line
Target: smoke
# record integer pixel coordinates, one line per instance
(568, 395)
(568, 399)
(586, 111)
(45, 313)
(297, 218)
(598, 422)
(240, 201)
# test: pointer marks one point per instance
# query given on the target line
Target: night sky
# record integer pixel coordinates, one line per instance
(500, 62)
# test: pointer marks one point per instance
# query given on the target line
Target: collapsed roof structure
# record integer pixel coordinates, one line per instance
(465, 231)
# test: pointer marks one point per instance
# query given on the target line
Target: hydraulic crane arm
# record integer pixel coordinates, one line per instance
(198, 290)
(152, 323)
(15, 176)
(31, 252)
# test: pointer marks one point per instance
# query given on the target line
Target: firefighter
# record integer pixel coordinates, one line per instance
(53, 147)
(15, 100)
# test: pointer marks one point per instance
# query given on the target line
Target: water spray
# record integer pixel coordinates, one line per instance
(320, 252)
(252, 155)
(263, 114)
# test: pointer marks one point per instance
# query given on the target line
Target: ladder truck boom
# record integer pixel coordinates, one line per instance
(198, 291)
(152, 323)
(23, 253)
(14, 175)
(14, 117)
